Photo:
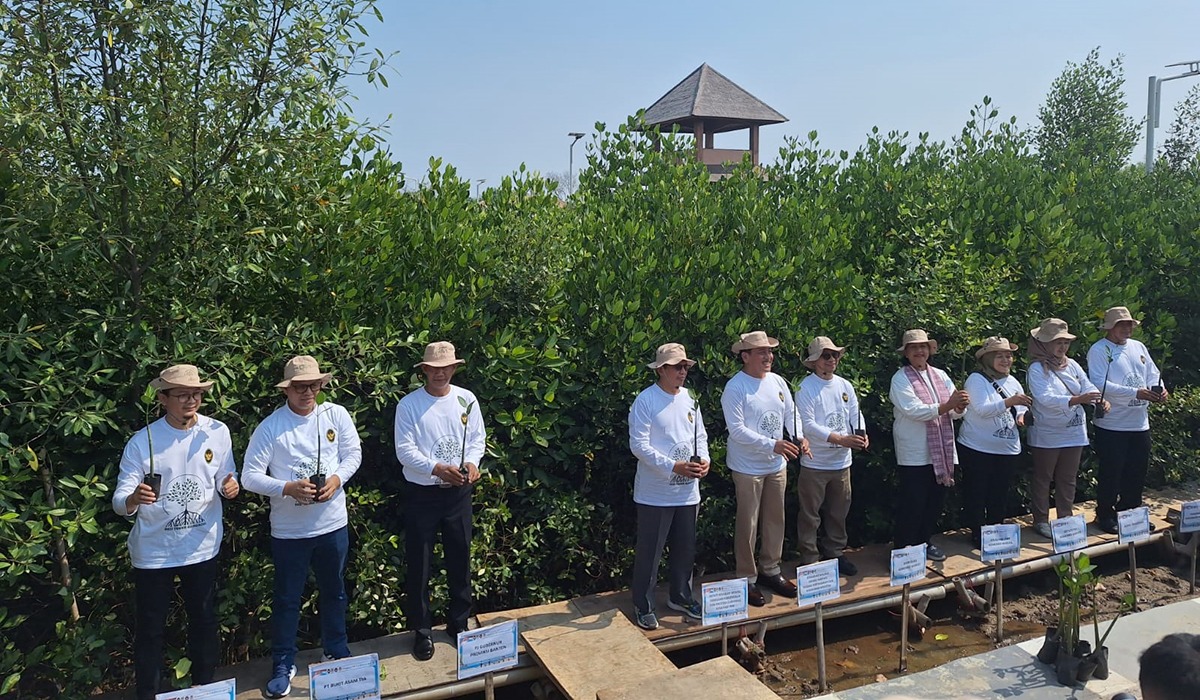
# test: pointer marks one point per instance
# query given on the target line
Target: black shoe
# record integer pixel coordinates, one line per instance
(846, 567)
(779, 584)
(755, 596)
(423, 648)
(1108, 525)
(935, 553)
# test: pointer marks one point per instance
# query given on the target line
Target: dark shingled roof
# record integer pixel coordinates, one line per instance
(708, 96)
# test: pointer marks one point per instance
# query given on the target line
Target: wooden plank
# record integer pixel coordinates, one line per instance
(721, 677)
(533, 617)
(585, 654)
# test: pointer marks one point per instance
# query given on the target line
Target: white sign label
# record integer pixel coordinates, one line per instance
(220, 690)
(1189, 516)
(1001, 542)
(352, 678)
(724, 601)
(908, 564)
(1133, 525)
(487, 649)
(1069, 533)
(817, 582)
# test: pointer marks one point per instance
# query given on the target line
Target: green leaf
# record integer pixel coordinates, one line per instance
(183, 667)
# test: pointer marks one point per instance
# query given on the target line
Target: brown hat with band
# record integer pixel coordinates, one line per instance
(995, 344)
(917, 335)
(179, 377)
(302, 368)
(1050, 330)
(440, 354)
(670, 354)
(1117, 314)
(817, 347)
(752, 340)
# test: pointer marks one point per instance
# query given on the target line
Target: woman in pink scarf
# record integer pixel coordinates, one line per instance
(924, 401)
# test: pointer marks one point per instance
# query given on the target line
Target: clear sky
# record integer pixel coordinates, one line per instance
(487, 86)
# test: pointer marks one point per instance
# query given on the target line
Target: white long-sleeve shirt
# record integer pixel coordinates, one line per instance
(988, 426)
(910, 414)
(1056, 423)
(827, 406)
(184, 526)
(1131, 369)
(757, 411)
(284, 448)
(429, 429)
(665, 429)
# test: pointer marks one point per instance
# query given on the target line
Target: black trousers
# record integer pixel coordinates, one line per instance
(153, 590)
(986, 479)
(918, 505)
(430, 510)
(1123, 457)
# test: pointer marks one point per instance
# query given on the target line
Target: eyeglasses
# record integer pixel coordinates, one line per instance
(185, 397)
(678, 368)
(829, 355)
(310, 388)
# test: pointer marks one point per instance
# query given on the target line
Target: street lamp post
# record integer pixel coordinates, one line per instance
(478, 184)
(571, 161)
(1154, 105)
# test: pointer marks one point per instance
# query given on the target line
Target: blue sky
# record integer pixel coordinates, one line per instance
(487, 86)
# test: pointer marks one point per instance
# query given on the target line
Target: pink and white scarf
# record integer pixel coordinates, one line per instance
(939, 432)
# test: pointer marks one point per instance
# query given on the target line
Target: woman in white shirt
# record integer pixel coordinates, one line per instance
(924, 401)
(1058, 434)
(989, 444)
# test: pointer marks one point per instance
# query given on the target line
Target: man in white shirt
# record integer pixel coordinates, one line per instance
(440, 441)
(834, 425)
(171, 474)
(667, 435)
(1129, 380)
(301, 456)
(758, 406)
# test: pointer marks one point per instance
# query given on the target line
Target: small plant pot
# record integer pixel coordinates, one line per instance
(317, 480)
(1087, 664)
(1066, 667)
(154, 481)
(1101, 671)
(1049, 651)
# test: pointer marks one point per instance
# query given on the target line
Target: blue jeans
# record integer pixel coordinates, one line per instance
(327, 556)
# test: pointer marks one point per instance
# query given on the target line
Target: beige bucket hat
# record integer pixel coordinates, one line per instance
(670, 354)
(819, 345)
(995, 344)
(1117, 314)
(302, 368)
(754, 339)
(1051, 329)
(179, 377)
(440, 354)
(917, 335)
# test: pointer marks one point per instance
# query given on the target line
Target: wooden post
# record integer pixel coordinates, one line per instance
(1133, 573)
(822, 684)
(724, 639)
(698, 132)
(754, 143)
(999, 580)
(904, 630)
(1193, 541)
(489, 686)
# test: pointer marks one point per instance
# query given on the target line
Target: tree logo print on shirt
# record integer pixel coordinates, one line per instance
(680, 453)
(771, 424)
(1076, 418)
(208, 456)
(1007, 429)
(1134, 380)
(181, 494)
(836, 422)
(330, 435)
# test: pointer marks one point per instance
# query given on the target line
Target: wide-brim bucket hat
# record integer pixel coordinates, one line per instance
(917, 335)
(440, 354)
(671, 354)
(302, 368)
(819, 345)
(179, 377)
(752, 340)
(995, 344)
(1117, 314)
(1050, 330)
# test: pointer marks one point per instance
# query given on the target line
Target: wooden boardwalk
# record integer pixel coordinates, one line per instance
(555, 637)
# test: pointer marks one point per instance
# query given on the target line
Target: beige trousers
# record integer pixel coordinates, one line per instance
(1060, 465)
(759, 506)
(824, 498)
